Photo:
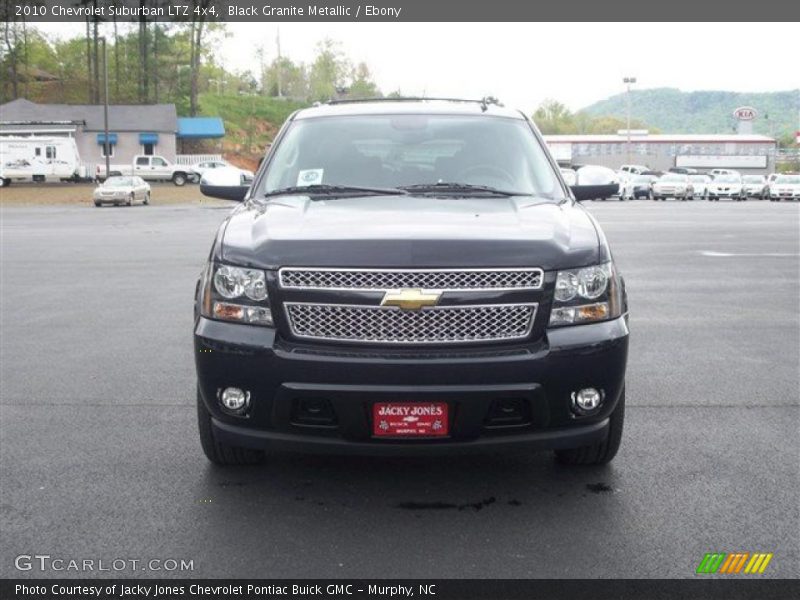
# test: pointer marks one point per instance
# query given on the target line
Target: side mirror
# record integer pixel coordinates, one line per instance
(590, 192)
(227, 183)
(595, 182)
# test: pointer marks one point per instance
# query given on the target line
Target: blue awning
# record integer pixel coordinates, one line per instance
(112, 138)
(200, 127)
(148, 138)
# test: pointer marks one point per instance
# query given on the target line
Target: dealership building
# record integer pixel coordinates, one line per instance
(747, 153)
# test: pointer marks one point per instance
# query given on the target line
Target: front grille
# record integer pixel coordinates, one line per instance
(391, 325)
(393, 279)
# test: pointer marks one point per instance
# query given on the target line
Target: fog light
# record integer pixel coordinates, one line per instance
(234, 399)
(586, 400)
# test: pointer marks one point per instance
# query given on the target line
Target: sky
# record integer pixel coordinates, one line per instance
(523, 64)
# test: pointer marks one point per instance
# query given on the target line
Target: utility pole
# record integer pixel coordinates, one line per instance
(280, 68)
(105, 107)
(628, 81)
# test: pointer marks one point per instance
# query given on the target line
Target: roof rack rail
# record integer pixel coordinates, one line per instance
(484, 102)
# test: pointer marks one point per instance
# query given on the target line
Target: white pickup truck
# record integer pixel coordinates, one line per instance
(149, 168)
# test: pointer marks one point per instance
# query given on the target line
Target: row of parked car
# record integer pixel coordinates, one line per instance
(637, 181)
(130, 187)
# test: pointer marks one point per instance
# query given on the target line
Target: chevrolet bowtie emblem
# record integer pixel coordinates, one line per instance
(410, 299)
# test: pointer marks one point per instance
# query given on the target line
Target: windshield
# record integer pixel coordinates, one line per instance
(728, 179)
(118, 182)
(393, 151)
(787, 179)
(674, 177)
(700, 178)
(753, 179)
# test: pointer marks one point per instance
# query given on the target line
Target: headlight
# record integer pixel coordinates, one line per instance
(597, 284)
(246, 287)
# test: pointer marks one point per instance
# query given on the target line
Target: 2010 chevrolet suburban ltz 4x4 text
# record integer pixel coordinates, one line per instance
(409, 277)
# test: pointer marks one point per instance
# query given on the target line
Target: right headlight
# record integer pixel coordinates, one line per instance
(586, 295)
(236, 294)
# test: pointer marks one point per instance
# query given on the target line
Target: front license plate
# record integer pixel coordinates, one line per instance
(409, 419)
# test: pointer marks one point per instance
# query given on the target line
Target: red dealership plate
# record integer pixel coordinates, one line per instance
(409, 419)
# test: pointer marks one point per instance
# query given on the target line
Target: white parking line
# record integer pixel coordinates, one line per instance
(737, 254)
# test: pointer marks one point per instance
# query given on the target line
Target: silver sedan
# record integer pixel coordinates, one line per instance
(122, 190)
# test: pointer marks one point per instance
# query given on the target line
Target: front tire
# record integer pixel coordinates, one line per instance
(217, 452)
(603, 452)
(147, 198)
(130, 201)
(179, 179)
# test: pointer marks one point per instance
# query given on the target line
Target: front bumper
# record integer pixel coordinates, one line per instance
(279, 374)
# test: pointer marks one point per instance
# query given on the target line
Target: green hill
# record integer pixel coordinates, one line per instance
(673, 111)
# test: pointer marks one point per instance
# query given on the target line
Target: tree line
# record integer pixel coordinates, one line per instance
(152, 62)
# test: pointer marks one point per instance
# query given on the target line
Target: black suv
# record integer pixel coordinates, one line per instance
(409, 277)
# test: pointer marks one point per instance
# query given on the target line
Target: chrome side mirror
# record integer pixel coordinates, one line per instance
(595, 182)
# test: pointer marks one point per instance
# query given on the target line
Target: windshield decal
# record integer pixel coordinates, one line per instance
(309, 177)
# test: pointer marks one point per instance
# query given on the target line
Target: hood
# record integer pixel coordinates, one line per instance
(410, 232)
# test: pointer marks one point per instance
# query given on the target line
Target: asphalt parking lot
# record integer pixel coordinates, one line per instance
(100, 459)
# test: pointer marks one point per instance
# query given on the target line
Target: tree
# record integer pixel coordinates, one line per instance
(554, 117)
(363, 86)
(328, 72)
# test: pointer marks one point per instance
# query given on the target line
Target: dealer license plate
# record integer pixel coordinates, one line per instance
(409, 419)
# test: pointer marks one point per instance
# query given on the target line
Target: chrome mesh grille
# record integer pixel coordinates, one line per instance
(390, 325)
(428, 279)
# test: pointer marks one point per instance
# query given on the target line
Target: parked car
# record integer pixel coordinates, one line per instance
(391, 303)
(673, 185)
(715, 172)
(770, 180)
(755, 186)
(726, 185)
(198, 170)
(785, 187)
(641, 186)
(148, 167)
(700, 186)
(122, 190)
(634, 169)
(625, 186)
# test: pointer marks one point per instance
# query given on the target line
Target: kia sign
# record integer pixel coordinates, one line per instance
(745, 113)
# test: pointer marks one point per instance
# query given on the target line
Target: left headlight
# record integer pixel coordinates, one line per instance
(586, 295)
(236, 294)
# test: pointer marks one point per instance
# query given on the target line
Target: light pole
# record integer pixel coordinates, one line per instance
(107, 142)
(628, 81)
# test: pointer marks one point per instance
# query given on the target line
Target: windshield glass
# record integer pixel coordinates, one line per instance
(787, 179)
(391, 151)
(118, 182)
(753, 179)
(674, 177)
(700, 178)
(728, 179)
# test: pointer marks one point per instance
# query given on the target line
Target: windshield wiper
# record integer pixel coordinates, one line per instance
(454, 187)
(334, 190)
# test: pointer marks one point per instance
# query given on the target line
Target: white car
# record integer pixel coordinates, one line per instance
(755, 186)
(715, 172)
(700, 185)
(785, 187)
(201, 168)
(673, 185)
(726, 186)
(122, 190)
(634, 169)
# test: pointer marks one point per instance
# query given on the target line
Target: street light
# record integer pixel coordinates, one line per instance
(107, 143)
(628, 81)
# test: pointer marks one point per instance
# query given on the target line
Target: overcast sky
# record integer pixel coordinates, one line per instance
(524, 63)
